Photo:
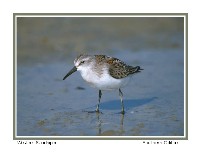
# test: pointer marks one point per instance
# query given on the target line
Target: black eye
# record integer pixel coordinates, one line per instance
(82, 62)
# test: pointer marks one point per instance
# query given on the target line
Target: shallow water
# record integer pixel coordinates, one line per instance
(49, 106)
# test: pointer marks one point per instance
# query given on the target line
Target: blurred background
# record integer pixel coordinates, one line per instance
(49, 106)
(47, 39)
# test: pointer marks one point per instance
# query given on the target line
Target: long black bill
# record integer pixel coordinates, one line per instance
(74, 69)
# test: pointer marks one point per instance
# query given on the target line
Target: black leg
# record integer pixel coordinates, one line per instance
(122, 103)
(100, 94)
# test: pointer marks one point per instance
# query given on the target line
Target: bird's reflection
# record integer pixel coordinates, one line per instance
(100, 124)
(122, 124)
(99, 121)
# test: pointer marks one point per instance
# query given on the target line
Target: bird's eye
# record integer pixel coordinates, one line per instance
(82, 62)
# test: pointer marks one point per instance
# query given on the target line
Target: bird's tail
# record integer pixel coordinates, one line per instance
(136, 69)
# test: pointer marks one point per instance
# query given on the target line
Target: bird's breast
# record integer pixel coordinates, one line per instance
(103, 81)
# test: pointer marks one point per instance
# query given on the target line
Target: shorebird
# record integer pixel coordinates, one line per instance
(104, 73)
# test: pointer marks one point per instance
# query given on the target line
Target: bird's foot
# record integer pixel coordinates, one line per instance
(97, 111)
(122, 112)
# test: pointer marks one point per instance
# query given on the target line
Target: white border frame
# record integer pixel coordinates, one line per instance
(185, 15)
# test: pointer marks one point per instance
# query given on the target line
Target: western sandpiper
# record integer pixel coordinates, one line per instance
(104, 73)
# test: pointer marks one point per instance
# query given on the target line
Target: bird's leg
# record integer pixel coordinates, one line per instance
(100, 94)
(122, 103)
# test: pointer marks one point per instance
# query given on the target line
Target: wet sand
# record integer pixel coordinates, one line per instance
(49, 106)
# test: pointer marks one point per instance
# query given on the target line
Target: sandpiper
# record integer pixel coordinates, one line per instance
(104, 73)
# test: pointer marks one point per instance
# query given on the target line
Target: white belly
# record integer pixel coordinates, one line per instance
(105, 82)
